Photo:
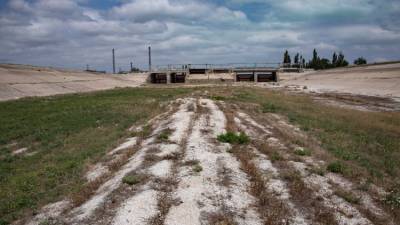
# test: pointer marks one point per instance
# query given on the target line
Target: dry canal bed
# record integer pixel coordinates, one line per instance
(220, 156)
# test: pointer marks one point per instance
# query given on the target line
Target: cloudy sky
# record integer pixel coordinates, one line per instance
(73, 33)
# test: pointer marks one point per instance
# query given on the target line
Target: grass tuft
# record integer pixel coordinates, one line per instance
(197, 168)
(269, 107)
(218, 98)
(131, 179)
(336, 167)
(164, 135)
(303, 152)
(233, 138)
(275, 156)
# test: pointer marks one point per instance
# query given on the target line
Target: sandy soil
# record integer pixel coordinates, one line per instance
(17, 81)
(373, 80)
(191, 178)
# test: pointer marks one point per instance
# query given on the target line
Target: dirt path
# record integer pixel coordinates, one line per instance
(183, 175)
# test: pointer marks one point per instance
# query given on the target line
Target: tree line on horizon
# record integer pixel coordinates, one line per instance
(318, 63)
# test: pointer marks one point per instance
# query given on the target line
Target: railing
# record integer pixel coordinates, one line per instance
(178, 67)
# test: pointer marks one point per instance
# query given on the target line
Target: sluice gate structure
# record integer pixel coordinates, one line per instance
(215, 73)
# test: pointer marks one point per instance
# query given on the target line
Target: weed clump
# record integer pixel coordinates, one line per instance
(233, 138)
(164, 135)
(336, 167)
(269, 108)
(197, 168)
(130, 180)
(275, 156)
(303, 152)
(218, 98)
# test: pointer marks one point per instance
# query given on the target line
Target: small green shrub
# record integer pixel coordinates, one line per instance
(276, 157)
(303, 152)
(164, 135)
(233, 138)
(218, 98)
(130, 179)
(197, 168)
(336, 167)
(269, 108)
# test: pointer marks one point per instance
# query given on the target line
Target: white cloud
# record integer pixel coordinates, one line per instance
(184, 11)
(280, 38)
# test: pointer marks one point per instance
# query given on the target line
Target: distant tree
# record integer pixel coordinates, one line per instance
(324, 64)
(285, 54)
(286, 58)
(341, 61)
(135, 69)
(315, 55)
(360, 61)
(313, 63)
(296, 58)
(334, 59)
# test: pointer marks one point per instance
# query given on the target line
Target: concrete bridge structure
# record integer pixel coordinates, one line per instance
(206, 73)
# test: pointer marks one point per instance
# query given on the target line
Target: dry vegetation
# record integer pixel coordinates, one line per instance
(337, 160)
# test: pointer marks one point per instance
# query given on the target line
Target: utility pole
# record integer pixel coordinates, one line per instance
(149, 58)
(113, 59)
(131, 66)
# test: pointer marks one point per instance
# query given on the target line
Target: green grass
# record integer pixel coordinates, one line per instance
(67, 133)
(197, 168)
(131, 179)
(218, 98)
(303, 152)
(233, 138)
(336, 167)
(369, 140)
(275, 156)
(164, 135)
(269, 108)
